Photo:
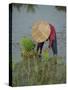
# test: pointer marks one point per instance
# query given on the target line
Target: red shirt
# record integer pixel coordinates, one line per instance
(52, 35)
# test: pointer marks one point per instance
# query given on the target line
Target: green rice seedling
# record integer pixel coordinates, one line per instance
(27, 48)
(36, 72)
(27, 44)
(46, 54)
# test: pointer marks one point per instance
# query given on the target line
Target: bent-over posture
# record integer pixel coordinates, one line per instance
(52, 42)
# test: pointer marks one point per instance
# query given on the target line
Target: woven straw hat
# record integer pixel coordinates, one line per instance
(40, 31)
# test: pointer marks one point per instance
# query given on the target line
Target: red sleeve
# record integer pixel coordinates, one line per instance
(50, 43)
(52, 35)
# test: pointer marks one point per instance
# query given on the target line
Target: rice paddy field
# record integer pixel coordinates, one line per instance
(38, 71)
(27, 67)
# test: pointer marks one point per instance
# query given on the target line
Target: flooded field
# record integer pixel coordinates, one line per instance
(32, 70)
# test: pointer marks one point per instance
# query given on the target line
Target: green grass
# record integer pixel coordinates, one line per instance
(37, 71)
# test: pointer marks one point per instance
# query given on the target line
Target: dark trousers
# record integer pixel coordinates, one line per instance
(54, 47)
(40, 46)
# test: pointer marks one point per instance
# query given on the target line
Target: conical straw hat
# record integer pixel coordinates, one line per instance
(40, 31)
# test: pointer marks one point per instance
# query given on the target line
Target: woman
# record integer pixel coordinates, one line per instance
(52, 42)
(40, 46)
